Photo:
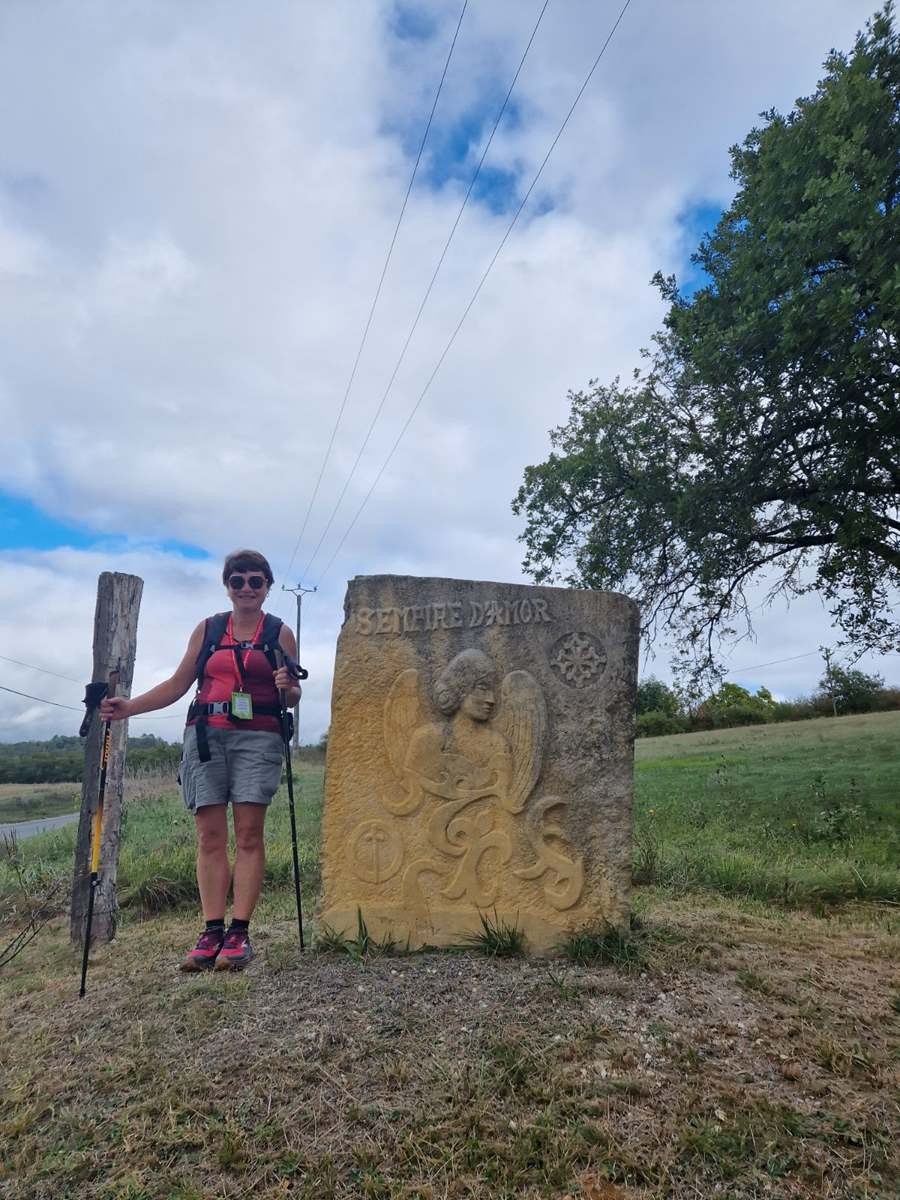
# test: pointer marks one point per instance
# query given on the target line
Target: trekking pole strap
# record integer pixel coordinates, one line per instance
(283, 659)
(294, 669)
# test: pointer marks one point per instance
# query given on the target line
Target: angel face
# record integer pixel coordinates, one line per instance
(479, 702)
(470, 673)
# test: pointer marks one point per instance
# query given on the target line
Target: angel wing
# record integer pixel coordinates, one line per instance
(401, 715)
(523, 719)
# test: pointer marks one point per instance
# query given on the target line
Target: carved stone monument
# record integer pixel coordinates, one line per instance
(479, 760)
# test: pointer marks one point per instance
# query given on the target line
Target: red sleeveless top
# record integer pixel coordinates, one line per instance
(222, 676)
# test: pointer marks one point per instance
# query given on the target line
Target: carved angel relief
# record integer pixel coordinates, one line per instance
(476, 768)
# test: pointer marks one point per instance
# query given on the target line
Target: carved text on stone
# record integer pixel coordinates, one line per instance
(473, 614)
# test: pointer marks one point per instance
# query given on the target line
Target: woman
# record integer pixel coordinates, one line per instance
(232, 750)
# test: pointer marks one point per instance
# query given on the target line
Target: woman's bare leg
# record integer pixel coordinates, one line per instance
(213, 871)
(250, 858)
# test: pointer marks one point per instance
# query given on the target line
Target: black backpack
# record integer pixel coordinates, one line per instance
(215, 631)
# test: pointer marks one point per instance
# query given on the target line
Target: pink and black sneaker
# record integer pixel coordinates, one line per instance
(236, 951)
(203, 956)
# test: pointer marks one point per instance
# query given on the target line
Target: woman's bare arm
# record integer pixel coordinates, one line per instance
(163, 694)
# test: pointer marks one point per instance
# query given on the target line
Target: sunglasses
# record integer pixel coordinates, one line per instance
(236, 582)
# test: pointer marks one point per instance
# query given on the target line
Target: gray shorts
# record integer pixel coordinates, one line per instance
(244, 767)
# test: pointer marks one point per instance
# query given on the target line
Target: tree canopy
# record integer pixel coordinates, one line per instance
(762, 440)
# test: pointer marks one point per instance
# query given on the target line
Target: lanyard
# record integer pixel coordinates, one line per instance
(239, 663)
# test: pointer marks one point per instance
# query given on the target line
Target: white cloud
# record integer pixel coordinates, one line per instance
(194, 211)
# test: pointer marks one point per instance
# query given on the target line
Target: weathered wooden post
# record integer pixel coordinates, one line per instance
(115, 642)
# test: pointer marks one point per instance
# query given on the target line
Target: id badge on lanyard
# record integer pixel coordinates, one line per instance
(241, 705)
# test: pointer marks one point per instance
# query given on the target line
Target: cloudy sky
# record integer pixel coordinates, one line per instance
(196, 201)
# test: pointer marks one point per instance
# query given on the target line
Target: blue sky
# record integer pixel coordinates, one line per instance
(24, 526)
(699, 218)
(454, 149)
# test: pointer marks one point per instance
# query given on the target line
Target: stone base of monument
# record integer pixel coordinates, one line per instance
(451, 928)
(480, 761)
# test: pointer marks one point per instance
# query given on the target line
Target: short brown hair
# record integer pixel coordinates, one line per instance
(247, 560)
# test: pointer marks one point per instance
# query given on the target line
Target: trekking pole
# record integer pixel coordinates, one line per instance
(93, 694)
(287, 719)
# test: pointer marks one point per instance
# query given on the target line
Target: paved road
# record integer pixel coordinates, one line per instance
(26, 829)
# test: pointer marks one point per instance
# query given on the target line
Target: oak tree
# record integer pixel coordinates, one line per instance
(762, 439)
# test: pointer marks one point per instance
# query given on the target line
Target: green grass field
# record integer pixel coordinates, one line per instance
(806, 813)
(156, 861)
(802, 815)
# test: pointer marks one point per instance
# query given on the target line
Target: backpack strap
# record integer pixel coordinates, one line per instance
(213, 633)
(268, 638)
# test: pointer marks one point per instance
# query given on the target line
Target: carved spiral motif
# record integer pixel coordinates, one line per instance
(578, 659)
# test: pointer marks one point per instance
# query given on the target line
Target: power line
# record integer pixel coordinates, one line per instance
(40, 699)
(43, 670)
(775, 662)
(475, 294)
(56, 704)
(428, 290)
(387, 260)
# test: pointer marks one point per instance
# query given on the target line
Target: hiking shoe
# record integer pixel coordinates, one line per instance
(203, 955)
(236, 951)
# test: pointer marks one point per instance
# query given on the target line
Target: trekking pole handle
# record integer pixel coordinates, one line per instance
(94, 693)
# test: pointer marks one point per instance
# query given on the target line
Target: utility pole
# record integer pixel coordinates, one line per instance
(299, 591)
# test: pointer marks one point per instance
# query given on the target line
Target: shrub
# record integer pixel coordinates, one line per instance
(801, 709)
(740, 714)
(888, 699)
(733, 705)
(657, 724)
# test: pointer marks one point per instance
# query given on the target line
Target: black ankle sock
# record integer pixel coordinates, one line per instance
(216, 926)
(238, 925)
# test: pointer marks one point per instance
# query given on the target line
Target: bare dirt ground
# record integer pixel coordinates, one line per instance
(746, 1053)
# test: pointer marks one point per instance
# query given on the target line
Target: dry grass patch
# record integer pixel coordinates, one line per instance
(748, 1055)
